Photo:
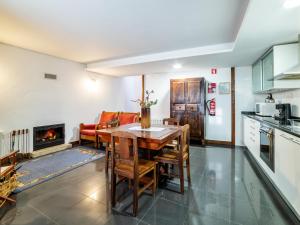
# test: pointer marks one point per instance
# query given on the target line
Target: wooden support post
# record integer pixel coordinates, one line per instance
(143, 87)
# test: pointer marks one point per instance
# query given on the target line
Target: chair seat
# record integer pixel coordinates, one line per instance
(88, 132)
(170, 156)
(127, 170)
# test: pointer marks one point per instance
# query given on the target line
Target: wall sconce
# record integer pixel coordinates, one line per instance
(91, 84)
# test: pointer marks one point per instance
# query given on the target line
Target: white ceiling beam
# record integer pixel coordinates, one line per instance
(176, 54)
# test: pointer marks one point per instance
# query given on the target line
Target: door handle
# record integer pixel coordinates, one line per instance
(288, 138)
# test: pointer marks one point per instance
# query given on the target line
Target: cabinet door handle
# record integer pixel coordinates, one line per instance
(288, 138)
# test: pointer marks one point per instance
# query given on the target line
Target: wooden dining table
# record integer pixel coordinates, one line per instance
(153, 138)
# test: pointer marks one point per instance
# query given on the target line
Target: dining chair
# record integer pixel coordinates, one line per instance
(126, 164)
(175, 122)
(123, 119)
(171, 121)
(178, 157)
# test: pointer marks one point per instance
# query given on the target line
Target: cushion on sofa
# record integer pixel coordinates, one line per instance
(107, 117)
(126, 118)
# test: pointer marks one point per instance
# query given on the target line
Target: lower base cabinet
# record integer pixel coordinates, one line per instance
(287, 167)
(286, 176)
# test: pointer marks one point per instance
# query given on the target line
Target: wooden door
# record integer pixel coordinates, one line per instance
(187, 104)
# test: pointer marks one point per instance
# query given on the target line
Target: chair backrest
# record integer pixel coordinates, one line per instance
(107, 117)
(171, 121)
(124, 149)
(185, 138)
(128, 117)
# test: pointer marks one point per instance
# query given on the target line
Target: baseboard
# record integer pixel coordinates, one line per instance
(218, 143)
(280, 201)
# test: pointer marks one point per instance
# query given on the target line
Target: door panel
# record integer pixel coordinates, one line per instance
(257, 77)
(267, 64)
(193, 91)
(180, 115)
(193, 119)
(177, 89)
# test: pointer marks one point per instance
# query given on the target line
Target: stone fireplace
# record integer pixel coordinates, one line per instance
(48, 136)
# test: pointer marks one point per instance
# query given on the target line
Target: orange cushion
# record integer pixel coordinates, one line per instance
(107, 116)
(88, 132)
(126, 118)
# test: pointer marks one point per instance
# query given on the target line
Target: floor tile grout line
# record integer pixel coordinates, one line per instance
(158, 197)
(43, 214)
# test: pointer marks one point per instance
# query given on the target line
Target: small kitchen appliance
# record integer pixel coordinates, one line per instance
(265, 109)
(284, 113)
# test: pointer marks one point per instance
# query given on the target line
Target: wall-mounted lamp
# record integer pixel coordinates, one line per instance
(91, 84)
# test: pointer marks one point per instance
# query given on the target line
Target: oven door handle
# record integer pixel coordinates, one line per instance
(265, 132)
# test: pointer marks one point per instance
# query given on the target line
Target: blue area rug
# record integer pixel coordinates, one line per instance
(41, 169)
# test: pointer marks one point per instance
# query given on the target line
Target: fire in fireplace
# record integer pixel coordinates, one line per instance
(47, 136)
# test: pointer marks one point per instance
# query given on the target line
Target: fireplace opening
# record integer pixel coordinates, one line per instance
(47, 136)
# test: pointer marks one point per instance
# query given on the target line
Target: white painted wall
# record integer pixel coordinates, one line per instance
(217, 127)
(28, 100)
(292, 97)
(132, 90)
(244, 99)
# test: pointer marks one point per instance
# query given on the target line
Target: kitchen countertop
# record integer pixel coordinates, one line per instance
(270, 121)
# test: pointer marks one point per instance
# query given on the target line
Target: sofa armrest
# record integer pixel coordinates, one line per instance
(87, 126)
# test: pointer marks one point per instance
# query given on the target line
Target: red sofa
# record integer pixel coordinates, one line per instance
(127, 118)
(88, 131)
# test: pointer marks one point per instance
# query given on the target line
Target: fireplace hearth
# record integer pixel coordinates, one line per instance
(48, 136)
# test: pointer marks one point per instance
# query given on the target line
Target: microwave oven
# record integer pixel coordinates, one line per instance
(265, 109)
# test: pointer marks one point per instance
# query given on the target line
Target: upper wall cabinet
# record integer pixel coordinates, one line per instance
(275, 61)
(268, 71)
(257, 77)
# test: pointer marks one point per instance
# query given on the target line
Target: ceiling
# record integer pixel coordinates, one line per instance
(133, 37)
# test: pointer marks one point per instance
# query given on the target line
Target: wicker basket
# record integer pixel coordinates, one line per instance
(7, 186)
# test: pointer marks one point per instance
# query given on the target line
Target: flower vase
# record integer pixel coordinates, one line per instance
(146, 118)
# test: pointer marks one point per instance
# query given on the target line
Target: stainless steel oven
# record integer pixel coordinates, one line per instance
(267, 145)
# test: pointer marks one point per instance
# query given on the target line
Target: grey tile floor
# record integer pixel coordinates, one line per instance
(225, 190)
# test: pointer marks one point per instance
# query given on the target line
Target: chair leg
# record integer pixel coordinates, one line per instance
(154, 181)
(113, 189)
(97, 142)
(135, 197)
(181, 177)
(188, 171)
(106, 159)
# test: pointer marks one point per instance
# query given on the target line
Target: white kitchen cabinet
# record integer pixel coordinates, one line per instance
(285, 57)
(286, 176)
(275, 61)
(251, 136)
(287, 167)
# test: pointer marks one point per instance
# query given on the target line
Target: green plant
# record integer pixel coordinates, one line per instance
(147, 103)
